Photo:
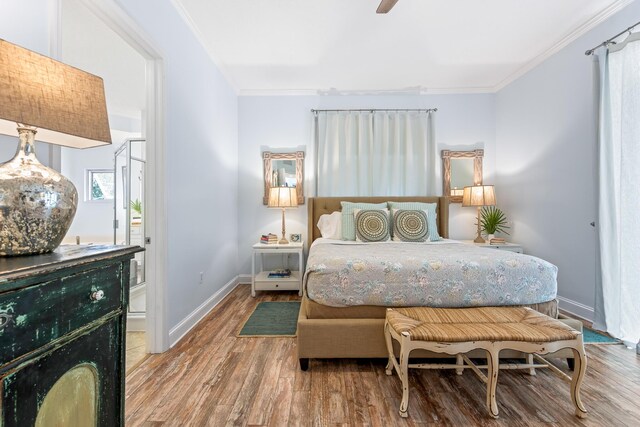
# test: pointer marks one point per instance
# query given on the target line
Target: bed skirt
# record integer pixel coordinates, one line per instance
(323, 337)
(313, 310)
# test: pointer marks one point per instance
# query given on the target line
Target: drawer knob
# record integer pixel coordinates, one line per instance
(4, 320)
(97, 295)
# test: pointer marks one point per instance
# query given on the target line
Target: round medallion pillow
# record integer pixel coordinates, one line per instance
(372, 225)
(410, 225)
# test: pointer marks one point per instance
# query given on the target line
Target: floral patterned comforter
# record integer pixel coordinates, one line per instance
(437, 275)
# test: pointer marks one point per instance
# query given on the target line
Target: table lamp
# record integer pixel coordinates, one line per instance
(64, 106)
(479, 195)
(283, 197)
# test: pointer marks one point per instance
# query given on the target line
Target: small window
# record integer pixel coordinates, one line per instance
(99, 184)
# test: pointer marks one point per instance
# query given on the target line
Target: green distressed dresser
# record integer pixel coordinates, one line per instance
(62, 337)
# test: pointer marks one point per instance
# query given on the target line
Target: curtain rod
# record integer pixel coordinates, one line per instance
(427, 110)
(607, 42)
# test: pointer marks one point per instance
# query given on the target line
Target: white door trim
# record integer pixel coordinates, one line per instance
(112, 14)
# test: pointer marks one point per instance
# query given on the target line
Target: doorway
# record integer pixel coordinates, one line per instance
(147, 311)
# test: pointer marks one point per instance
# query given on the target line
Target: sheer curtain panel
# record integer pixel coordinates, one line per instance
(375, 153)
(618, 311)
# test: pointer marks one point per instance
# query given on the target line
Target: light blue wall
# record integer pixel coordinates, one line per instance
(201, 161)
(269, 123)
(546, 161)
(27, 24)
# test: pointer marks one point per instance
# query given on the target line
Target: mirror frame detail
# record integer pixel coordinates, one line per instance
(447, 155)
(268, 157)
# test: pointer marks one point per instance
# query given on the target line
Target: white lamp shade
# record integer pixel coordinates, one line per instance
(479, 195)
(283, 197)
(66, 104)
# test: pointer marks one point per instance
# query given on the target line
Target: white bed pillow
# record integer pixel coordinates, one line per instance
(330, 225)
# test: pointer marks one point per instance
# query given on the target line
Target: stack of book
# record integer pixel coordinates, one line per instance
(280, 274)
(269, 238)
(497, 241)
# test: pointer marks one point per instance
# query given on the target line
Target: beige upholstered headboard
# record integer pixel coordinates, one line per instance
(325, 205)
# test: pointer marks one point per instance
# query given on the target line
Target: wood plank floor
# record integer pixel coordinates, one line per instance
(136, 350)
(212, 378)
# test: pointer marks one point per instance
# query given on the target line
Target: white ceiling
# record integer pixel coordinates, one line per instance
(299, 46)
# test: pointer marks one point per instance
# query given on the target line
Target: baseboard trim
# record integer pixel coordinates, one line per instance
(576, 308)
(136, 322)
(181, 329)
(244, 279)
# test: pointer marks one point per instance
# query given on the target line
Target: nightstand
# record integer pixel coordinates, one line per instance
(260, 280)
(513, 247)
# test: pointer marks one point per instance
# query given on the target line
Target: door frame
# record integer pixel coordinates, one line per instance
(112, 14)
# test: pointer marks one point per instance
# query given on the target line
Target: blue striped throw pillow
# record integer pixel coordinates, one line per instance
(348, 222)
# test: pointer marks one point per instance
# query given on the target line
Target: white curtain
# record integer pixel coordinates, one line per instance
(375, 153)
(619, 191)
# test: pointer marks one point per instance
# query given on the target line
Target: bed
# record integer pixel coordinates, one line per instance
(329, 327)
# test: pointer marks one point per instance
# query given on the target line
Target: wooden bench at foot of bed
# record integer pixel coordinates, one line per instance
(345, 338)
(458, 331)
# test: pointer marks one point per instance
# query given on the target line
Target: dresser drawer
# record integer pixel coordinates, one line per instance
(39, 314)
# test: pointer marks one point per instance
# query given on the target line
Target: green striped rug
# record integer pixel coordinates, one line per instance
(272, 319)
(591, 336)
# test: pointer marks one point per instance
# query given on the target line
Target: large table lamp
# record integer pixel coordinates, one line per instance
(479, 196)
(64, 106)
(283, 197)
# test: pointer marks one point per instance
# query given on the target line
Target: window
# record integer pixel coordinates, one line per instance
(99, 185)
(375, 153)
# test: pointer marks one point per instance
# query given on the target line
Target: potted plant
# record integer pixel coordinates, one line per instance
(492, 221)
(136, 211)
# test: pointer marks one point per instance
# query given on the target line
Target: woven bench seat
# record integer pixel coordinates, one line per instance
(461, 330)
(478, 324)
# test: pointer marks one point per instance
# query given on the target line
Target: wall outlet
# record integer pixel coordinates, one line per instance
(201, 277)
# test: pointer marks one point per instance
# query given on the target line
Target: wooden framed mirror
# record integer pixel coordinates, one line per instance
(460, 169)
(283, 170)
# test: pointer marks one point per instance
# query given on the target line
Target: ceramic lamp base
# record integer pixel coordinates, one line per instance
(284, 240)
(479, 238)
(37, 203)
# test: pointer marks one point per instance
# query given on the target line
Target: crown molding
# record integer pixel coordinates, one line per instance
(364, 92)
(278, 92)
(564, 42)
(186, 18)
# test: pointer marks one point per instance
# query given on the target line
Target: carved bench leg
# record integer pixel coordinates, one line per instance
(493, 366)
(459, 362)
(576, 380)
(532, 371)
(387, 338)
(404, 374)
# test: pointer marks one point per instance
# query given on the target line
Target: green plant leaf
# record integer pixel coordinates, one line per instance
(136, 206)
(493, 220)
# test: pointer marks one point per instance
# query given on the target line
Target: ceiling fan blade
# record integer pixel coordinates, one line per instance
(386, 5)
